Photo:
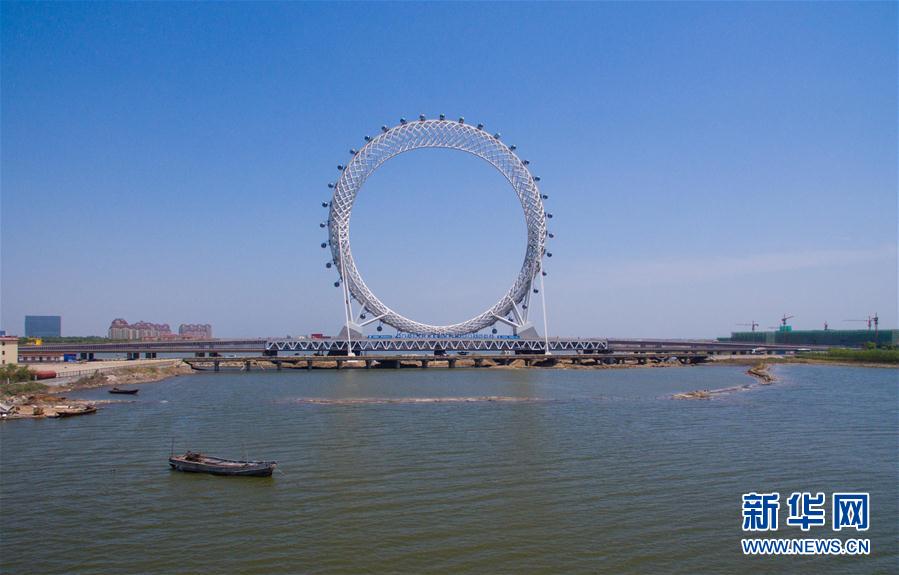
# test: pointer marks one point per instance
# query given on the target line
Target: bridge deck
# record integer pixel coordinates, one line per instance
(406, 345)
(453, 360)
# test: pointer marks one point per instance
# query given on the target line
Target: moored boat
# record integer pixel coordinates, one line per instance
(72, 410)
(124, 391)
(198, 463)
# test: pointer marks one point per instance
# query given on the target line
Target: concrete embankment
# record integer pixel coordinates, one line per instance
(68, 375)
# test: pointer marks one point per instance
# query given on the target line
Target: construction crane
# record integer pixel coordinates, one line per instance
(868, 321)
(825, 325)
(783, 321)
(872, 320)
(754, 324)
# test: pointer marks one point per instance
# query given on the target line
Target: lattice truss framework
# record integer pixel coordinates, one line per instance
(512, 308)
(402, 345)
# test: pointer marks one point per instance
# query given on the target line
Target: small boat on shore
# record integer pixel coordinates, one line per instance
(124, 391)
(198, 463)
(72, 410)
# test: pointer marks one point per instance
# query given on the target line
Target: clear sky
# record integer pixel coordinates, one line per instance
(707, 164)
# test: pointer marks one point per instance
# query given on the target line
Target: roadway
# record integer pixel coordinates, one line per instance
(274, 347)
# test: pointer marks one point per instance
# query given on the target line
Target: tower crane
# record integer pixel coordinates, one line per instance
(871, 320)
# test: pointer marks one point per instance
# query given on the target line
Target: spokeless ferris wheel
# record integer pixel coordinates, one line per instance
(513, 308)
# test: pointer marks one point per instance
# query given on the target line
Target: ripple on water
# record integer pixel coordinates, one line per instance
(446, 471)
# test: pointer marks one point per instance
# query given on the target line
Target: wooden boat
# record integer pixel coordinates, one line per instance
(124, 391)
(76, 410)
(199, 463)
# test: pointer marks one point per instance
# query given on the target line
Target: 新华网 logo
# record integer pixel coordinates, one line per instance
(806, 511)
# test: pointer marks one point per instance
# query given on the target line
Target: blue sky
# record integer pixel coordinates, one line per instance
(707, 164)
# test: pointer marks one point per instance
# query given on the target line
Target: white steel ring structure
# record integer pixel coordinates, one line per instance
(512, 308)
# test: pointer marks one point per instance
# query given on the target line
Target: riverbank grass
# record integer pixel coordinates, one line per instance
(22, 388)
(13, 373)
(856, 355)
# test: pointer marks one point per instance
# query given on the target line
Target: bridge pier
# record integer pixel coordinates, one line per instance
(216, 366)
(278, 365)
(424, 363)
(246, 365)
(368, 363)
(451, 363)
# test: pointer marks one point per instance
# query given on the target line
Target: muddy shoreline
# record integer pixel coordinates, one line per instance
(759, 372)
(780, 360)
(50, 402)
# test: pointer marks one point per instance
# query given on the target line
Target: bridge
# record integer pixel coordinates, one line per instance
(448, 361)
(150, 349)
(401, 345)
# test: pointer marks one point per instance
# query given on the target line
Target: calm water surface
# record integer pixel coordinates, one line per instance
(591, 471)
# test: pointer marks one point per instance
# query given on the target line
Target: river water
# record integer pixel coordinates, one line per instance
(564, 471)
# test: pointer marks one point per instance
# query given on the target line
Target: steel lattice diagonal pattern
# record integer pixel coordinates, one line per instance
(409, 345)
(454, 136)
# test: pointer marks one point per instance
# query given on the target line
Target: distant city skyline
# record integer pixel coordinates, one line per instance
(708, 164)
(122, 329)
